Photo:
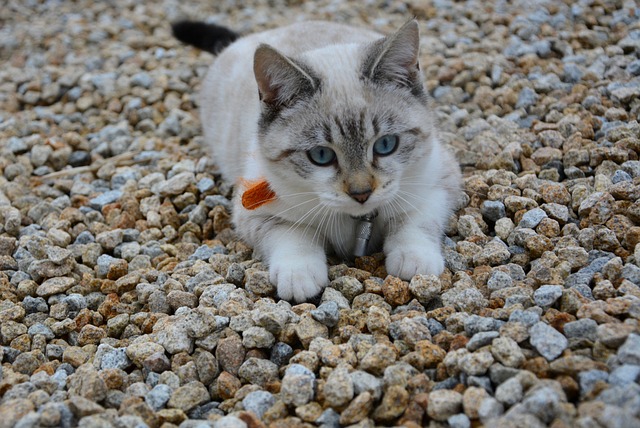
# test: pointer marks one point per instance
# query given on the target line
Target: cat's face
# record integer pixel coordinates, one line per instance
(351, 129)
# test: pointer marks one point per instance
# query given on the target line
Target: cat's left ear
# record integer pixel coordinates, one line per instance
(281, 80)
(394, 59)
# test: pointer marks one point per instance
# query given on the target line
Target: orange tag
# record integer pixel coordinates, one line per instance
(257, 194)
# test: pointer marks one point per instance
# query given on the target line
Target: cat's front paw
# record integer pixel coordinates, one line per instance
(409, 260)
(299, 278)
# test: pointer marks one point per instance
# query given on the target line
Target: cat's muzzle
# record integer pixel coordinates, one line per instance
(364, 229)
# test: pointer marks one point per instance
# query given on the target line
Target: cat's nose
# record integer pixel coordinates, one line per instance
(361, 196)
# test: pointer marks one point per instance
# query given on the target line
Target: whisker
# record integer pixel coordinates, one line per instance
(279, 214)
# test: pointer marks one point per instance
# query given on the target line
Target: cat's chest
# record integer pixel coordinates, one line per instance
(356, 236)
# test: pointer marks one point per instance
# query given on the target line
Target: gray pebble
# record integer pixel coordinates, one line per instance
(366, 382)
(204, 252)
(475, 324)
(34, 304)
(158, 396)
(459, 421)
(215, 200)
(527, 318)
(481, 339)
(625, 374)
(499, 280)
(329, 419)
(509, 392)
(543, 402)
(204, 185)
(104, 199)
(526, 98)
(327, 313)
(493, 210)
(548, 341)
(547, 295)
(84, 237)
(587, 380)
(631, 273)
(490, 408)
(41, 329)
(581, 329)
(532, 218)
(258, 402)
(619, 176)
(112, 358)
(333, 295)
(629, 352)
(280, 353)
(142, 79)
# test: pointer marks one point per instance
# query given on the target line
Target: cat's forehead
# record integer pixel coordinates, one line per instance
(338, 67)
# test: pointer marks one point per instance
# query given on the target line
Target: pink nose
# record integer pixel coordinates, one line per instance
(360, 196)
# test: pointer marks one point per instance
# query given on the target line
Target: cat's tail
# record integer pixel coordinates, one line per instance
(208, 37)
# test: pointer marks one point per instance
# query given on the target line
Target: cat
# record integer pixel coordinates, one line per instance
(327, 132)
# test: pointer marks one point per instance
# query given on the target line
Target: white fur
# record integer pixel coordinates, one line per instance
(314, 215)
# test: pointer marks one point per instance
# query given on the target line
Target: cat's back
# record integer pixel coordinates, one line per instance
(229, 100)
(303, 36)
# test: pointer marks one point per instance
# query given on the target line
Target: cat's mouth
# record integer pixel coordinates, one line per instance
(360, 210)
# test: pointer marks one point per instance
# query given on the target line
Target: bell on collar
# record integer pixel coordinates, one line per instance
(364, 229)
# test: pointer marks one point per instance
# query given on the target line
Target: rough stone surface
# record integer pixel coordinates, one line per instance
(128, 299)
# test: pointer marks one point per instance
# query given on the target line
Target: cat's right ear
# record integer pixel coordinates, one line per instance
(281, 80)
(394, 59)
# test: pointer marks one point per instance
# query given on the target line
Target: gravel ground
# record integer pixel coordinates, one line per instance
(128, 301)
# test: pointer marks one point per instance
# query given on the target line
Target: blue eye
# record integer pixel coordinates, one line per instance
(322, 156)
(385, 145)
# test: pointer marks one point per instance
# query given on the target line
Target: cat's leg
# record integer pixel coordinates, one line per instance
(297, 265)
(296, 257)
(414, 249)
(413, 244)
(414, 238)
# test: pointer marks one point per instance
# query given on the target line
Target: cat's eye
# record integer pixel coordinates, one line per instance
(322, 155)
(385, 145)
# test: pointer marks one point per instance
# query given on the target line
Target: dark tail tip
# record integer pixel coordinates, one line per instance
(208, 37)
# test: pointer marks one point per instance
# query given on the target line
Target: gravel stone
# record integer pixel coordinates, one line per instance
(125, 286)
(158, 396)
(338, 389)
(328, 313)
(188, 396)
(629, 352)
(258, 402)
(54, 286)
(444, 404)
(481, 339)
(257, 337)
(547, 340)
(425, 288)
(624, 375)
(506, 351)
(298, 386)
(493, 210)
(547, 295)
(509, 392)
(532, 218)
(258, 371)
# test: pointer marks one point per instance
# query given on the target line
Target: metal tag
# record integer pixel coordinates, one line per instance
(364, 229)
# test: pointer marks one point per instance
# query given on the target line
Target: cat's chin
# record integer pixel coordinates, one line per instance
(359, 211)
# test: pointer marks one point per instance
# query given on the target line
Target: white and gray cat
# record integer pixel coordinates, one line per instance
(332, 125)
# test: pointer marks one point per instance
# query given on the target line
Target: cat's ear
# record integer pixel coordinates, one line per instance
(394, 59)
(281, 80)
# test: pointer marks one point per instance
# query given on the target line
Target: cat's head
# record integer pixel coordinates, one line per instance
(345, 124)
